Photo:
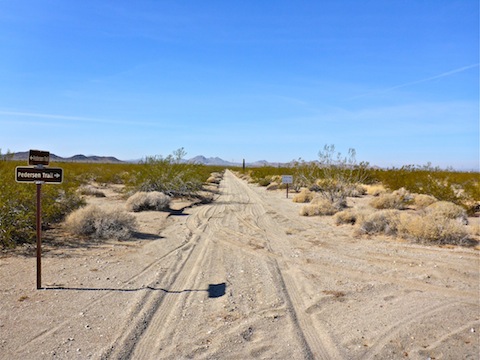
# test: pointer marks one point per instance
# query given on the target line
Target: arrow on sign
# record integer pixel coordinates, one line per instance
(31, 175)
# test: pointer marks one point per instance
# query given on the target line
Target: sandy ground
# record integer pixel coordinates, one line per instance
(244, 277)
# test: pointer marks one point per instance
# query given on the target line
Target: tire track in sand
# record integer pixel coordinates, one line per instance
(147, 308)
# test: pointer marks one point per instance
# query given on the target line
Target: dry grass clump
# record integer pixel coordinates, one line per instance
(215, 178)
(319, 206)
(448, 210)
(96, 223)
(144, 201)
(379, 222)
(272, 186)
(398, 200)
(356, 190)
(90, 190)
(375, 189)
(427, 227)
(304, 196)
(348, 216)
(432, 228)
(421, 201)
(352, 216)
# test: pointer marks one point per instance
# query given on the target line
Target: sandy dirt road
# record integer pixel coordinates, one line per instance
(244, 277)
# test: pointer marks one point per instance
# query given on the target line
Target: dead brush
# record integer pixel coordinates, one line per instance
(319, 206)
(375, 190)
(215, 178)
(90, 190)
(96, 223)
(432, 228)
(379, 222)
(398, 200)
(421, 201)
(304, 196)
(144, 201)
(348, 216)
(448, 210)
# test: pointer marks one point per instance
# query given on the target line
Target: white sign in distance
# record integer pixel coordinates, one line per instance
(287, 179)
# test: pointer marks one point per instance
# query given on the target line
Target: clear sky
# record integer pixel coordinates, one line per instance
(396, 80)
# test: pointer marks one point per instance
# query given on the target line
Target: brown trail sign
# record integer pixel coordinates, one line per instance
(39, 174)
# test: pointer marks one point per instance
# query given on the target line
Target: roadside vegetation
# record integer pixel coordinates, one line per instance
(421, 203)
(157, 180)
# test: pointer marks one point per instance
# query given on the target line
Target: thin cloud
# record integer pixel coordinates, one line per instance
(439, 76)
(75, 118)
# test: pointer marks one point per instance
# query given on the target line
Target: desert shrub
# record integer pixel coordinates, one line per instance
(90, 190)
(96, 223)
(170, 175)
(153, 200)
(448, 210)
(399, 200)
(264, 181)
(18, 206)
(340, 174)
(304, 196)
(273, 186)
(348, 216)
(319, 206)
(304, 174)
(352, 216)
(215, 178)
(375, 189)
(432, 228)
(421, 201)
(461, 188)
(379, 222)
(356, 190)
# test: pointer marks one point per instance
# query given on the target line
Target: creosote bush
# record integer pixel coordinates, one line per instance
(96, 223)
(18, 206)
(170, 175)
(142, 201)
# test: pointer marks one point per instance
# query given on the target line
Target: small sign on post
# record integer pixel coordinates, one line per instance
(39, 174)
(287, 179)
(38, 157)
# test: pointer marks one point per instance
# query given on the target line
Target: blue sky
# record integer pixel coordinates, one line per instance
(396, 80)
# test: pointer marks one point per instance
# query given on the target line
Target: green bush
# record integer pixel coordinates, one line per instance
(18, 206)
(461, 188)
(170, 176)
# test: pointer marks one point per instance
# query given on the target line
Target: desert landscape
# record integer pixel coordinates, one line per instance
(241, 277)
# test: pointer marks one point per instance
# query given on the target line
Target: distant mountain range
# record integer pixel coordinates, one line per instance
(20, 156)
(200, 159)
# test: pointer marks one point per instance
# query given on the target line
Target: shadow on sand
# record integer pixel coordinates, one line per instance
(214, 290)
